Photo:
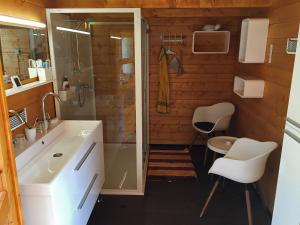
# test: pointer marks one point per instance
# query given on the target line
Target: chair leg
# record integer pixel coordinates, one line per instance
(205, 139)
(215, 156)
(248, 203)
(214, 159)
(193, 142)
(223, 184)
(205, 156)
(209, 197)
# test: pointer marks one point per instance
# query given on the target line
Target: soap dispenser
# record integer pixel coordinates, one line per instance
(65, 84)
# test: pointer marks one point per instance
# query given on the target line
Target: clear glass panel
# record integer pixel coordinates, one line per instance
(73, 61)
(99, 63)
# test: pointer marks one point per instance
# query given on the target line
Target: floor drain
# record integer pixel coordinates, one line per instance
(57, 155)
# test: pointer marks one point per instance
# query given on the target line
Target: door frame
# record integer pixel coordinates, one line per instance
(138, 81)
(8, 169)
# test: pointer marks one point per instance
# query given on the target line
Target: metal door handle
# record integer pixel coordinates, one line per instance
(85, 156)
(86, 194)
(293, 136)
(293, 122)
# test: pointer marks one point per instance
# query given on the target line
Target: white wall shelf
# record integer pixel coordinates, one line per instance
(253, 42)
(211, 42)
(248, 87)
(25, 87)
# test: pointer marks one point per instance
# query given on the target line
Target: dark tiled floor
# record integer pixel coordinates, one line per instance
(178, 202)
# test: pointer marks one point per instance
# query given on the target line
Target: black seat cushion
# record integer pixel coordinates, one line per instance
(206, 126)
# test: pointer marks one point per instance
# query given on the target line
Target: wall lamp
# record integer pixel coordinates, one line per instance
(17, 21)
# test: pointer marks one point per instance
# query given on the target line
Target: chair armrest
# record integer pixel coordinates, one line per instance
(222, 123)
(248, 171)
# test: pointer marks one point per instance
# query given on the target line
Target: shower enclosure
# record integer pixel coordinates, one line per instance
(103, 53)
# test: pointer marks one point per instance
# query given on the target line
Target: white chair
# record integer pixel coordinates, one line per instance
(244, 163)
(208, 119)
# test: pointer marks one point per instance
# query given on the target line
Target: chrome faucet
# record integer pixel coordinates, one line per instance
(18, 116)
(43, 106)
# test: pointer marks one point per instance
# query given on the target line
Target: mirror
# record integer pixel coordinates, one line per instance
(18, 46)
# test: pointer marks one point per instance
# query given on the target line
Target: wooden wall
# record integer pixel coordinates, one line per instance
(264, 119)
(31, 100)
(205, 80)
(159, 3)
(26, 9)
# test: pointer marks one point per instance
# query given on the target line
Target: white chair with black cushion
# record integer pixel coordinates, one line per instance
(208, 119)
(244, 163)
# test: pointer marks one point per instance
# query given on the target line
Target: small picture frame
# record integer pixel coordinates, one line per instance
(16, 82)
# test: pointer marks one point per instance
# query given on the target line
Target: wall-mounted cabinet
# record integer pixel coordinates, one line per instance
(253, 40)
(211, 42)
(248, 87)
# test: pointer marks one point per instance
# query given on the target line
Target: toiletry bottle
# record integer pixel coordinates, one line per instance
(65, 85)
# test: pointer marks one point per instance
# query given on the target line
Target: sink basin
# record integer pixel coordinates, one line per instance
(62, 173)
(43, 160)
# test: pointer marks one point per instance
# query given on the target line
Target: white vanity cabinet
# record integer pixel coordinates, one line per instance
(60, 186)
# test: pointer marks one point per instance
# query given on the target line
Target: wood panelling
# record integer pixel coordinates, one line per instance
(159, 3)
(264, 119)
(26, 9)
(205, 80)
(227, 12)
(31, 100)
(241, 3)
(8, 174)
(4, 206)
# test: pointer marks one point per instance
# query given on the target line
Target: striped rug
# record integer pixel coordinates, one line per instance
(170, 163)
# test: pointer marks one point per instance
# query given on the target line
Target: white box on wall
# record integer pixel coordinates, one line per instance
(248, 87)
(45, 74)
(253, 42)
(211, 42)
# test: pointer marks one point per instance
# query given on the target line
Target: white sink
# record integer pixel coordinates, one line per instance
(64, 169)
(66, 138)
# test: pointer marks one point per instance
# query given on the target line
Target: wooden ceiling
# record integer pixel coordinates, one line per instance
(103, 17)
(158, 3)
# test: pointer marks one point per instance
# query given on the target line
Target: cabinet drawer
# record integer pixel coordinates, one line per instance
(76, 179)
(87, 202)
(84, 171)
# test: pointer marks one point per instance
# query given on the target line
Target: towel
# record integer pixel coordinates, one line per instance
(175, 65)
(163, 95)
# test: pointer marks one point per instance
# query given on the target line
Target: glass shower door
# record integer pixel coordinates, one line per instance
(113, 59)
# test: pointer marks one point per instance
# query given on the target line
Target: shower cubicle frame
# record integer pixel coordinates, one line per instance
(138, 85)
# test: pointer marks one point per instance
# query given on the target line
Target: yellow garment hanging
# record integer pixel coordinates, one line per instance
(163, 103)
